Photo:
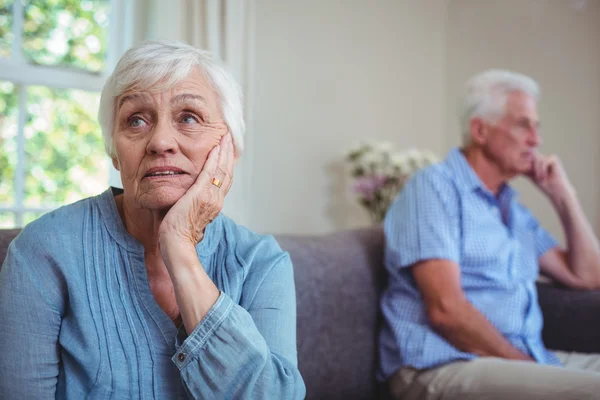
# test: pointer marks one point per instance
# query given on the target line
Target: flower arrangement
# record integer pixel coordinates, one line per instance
(380, 172)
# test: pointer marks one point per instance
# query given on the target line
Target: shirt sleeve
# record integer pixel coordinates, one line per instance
(31, 308)
(238, 353)
(423, 222)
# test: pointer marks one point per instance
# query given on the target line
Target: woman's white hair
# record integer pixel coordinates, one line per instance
(486, 96)
(161, 65)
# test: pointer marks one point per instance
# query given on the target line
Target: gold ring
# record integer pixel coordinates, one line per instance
(216, 182)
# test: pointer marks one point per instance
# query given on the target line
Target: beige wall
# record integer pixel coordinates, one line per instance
(558, 45)
(327, 73)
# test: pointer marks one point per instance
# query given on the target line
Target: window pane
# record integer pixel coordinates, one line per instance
(7, 220)
(6, 23)
(8, 141)
(64, 155)
(69, 33)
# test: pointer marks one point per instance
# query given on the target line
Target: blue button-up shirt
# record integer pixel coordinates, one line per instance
(445, 212)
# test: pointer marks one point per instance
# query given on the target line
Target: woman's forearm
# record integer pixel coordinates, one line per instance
(195, 292)
(228, 355)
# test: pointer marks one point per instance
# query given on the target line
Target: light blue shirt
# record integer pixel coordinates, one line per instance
(78, 319)
(445, 212)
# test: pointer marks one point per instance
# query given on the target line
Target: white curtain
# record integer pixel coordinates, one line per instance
(215, 25)
(186, 20)
(219, 26)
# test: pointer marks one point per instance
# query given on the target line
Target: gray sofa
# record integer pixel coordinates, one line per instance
(339, 278)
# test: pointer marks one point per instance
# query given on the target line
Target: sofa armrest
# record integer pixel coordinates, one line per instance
(571, 318)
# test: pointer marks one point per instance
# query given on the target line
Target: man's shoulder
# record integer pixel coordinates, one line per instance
(436, 177)
(431, 189)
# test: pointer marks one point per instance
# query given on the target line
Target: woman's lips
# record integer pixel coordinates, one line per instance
(164, 172)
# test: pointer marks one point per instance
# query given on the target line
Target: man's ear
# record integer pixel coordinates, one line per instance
(478, 129)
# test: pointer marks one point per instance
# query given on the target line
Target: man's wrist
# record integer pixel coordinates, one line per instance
(564, 196)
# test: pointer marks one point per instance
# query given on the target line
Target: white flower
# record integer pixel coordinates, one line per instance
(413, 154)
(355, 147)
(400, 161)
(370, 143)
(371, 159)
(383, 147)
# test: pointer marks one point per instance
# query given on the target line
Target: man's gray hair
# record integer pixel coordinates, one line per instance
(161, 65)
(486, 96)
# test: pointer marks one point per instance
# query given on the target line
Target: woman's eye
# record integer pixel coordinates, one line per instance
(188, 119)
(136, 122)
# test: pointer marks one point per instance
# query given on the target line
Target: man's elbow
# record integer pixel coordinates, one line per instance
(445, 316)
(589, 284)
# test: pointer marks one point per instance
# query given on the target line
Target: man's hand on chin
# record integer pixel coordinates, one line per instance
(548, 174)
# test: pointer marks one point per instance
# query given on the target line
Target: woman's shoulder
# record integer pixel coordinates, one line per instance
(53, 228)
(258, 261)
(245, 239)
(249, 245)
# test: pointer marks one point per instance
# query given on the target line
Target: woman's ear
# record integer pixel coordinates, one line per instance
(115, 162)
(236, 153)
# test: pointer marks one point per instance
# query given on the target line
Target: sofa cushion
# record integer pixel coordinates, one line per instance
(571, 320)
(338, 282)
(6, 236)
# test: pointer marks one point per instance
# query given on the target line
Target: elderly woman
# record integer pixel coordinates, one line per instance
(149, 292)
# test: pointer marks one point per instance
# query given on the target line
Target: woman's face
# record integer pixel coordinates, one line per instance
(162, 140)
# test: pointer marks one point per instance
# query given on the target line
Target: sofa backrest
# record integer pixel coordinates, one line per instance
(6, 236)
(339, 278)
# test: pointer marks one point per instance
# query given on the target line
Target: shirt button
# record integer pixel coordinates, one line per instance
(181, 357)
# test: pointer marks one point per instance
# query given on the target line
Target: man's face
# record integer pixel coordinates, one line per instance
(511, 142)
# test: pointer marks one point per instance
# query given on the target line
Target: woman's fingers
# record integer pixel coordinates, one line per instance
(224, 170)
(215, 179)
(202, 192)
(211, 163)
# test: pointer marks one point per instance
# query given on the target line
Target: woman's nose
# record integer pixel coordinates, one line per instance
(162, 139)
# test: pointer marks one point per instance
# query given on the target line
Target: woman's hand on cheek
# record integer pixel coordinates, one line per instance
(185, 222)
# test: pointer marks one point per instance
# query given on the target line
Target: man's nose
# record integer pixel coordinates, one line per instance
(535, 139)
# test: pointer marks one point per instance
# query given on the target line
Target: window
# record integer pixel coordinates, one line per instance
(54, 59)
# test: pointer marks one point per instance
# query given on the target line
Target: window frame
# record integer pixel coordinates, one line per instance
(22, 74)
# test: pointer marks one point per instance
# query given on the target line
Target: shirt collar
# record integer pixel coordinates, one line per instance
(468, 179)
(116, 228)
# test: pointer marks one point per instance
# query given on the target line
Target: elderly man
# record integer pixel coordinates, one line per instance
(462, 319)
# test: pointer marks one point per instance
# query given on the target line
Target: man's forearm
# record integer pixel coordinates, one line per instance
(469, 331)
(583, 249)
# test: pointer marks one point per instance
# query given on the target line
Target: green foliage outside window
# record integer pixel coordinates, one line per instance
(6, 37)
(64, 156)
